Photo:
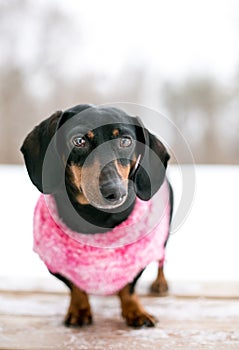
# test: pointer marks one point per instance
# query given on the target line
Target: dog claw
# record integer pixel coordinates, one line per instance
(79, 320)
(143, 320)
(159, 288)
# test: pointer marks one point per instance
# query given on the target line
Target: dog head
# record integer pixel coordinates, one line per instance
(97, 153)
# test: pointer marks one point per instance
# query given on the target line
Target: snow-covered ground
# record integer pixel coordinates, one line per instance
(205, 248)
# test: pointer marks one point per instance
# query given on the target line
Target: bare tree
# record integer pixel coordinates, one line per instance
(197, 106)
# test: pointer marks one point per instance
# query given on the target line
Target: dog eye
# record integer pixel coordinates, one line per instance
(125, 141)
(79, 142)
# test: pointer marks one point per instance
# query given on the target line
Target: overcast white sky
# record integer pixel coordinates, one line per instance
(170, 37)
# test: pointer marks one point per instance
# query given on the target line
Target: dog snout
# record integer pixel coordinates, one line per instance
(113, 191)
(112, 187)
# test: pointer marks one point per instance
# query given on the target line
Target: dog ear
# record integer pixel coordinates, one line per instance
(150, 173)
(37, 144)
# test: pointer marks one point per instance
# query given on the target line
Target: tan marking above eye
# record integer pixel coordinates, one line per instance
(115, 132)
(90, 134)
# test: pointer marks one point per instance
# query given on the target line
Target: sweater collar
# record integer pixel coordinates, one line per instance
(145, 216)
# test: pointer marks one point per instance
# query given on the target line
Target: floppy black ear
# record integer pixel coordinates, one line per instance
(150, 174)
(37, 144)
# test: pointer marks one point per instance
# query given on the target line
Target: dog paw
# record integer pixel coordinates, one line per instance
(78, 318)
(140, 319)
(159, 287)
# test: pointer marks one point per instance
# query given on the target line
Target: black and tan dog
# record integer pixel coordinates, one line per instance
(55, 152)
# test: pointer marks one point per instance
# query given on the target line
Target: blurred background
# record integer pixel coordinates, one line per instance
(178, 57)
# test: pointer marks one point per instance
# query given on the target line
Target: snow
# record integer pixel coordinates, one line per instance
(205, 248)
(183, 324)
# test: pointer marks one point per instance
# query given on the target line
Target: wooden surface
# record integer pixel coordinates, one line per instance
(34, 321)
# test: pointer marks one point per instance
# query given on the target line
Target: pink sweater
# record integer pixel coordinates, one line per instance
(103, 263)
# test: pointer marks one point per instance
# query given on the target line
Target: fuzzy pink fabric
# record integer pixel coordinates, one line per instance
(103, 263)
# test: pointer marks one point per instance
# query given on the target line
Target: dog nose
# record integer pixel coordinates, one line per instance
(112, 191)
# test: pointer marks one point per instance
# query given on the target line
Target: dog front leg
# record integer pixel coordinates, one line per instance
(132, 310)
(79, 312)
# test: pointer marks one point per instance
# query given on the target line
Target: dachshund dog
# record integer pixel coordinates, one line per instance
(99, 170)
